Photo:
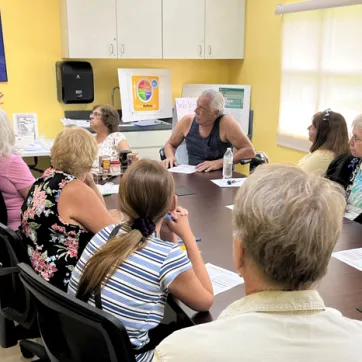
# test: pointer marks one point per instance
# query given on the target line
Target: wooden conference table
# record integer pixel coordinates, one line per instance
(210, 220)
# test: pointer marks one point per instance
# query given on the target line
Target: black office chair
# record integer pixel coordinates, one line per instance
(259, 159)
(73, 330)
(3, 210)
(17, 310)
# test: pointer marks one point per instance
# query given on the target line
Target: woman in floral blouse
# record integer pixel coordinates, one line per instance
(104, 121)
(64, 208)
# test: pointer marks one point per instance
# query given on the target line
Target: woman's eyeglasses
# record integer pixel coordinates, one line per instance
(95, 114)
(355, 139)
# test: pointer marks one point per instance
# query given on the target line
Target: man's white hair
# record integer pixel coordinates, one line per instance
(7, 136)
(217, 100)
(357, 122)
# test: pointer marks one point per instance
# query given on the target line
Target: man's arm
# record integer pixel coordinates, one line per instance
(176, 139)
(237, 137)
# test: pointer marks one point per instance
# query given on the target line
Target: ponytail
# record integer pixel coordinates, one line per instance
(146, 195)
(102, 265)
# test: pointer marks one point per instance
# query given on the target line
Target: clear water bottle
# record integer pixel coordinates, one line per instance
(227, 170)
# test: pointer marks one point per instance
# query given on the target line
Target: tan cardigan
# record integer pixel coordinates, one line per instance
(317, 162)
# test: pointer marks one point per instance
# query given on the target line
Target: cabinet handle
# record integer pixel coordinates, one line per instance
(209, 49)
(122, 49)
(200, 50)
(112, 49)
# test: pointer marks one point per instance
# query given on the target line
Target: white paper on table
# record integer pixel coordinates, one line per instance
(222, 279)
(231, 207)
(352, 257)
(187, 169)
(352, 212)
(108, 189)
(84, 123)
(235, 182)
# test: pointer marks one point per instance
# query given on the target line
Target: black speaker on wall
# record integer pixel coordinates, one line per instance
(74, 82)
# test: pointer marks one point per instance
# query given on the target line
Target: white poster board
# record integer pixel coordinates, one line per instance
(184, 106)
(237, 99)
(25, 125)
(146, 94)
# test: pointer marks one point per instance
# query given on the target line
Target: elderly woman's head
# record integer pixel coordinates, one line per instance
(74, 151)
(355, 142)
(104, 118)
(7, 136)
(286, 224)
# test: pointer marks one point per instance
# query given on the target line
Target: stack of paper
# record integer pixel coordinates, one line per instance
(186, 169)
(146, 123)
(75, 122)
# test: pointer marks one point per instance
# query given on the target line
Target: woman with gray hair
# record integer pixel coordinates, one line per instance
(286, 224)
(208, 134)
(15, 176)
(346, 170)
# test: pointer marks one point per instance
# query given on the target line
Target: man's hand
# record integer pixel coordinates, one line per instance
(208, 166)
(169, 162)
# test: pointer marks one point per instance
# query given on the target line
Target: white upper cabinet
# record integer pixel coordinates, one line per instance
(184, 29)
(224, 29)
(89, 28)
(139, 25)
(146, 29)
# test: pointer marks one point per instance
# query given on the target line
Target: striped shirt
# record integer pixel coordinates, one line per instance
(136, 293)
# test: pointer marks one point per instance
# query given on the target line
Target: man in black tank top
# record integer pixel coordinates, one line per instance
(208, 134)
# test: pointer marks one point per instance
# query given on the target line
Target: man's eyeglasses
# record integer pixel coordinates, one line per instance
(95, 114)
(355, 139)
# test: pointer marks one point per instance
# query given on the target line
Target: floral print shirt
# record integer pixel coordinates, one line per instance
(54, 246)
(109, 148)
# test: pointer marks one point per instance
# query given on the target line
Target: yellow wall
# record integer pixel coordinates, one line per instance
(32, 47)
(262, 69)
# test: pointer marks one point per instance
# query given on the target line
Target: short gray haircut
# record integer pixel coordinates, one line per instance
(7, 138)
(357, 122)
(288, 223)
(217, 100)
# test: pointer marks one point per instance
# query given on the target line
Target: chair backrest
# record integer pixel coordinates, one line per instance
(3, 210)
(73, 330)
(15, 300)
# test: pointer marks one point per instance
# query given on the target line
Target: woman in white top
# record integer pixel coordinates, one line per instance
(329, 136)
(104, 121)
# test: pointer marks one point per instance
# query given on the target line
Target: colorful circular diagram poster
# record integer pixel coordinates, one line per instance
(145, 93)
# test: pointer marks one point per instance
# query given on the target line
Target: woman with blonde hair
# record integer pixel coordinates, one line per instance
(329, 136)
(15, 176)
(64, 208)
(131, 275)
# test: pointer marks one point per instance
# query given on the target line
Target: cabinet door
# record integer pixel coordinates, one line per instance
(139, 25)
(224, 29)
(91, 28)
(183, 29)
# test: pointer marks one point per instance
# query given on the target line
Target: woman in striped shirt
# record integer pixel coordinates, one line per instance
(131, 275)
